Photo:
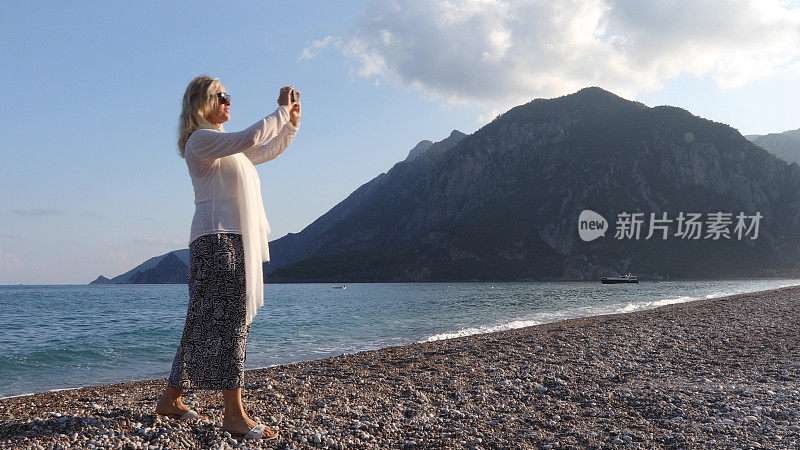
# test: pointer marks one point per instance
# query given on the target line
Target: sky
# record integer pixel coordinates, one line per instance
(91, 182)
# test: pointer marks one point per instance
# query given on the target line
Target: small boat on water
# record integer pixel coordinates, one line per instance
(340, 287)
(628, 278)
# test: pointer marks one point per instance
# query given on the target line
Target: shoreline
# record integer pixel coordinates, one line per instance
(648, 280)
(452, 334)
(708, 372)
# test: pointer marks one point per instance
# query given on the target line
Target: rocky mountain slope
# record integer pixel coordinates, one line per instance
(503, 203)
(784, 145)
(169, 268)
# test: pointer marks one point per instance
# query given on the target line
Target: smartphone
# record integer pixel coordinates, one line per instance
(295, 96)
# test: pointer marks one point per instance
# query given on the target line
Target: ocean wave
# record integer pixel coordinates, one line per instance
(670, 301)
(483, 329)
(573, 313)
(17, 395)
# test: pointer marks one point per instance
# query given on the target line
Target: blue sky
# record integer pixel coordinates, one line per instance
(91, 181)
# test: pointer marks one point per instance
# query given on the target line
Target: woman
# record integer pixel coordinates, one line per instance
(228, 243)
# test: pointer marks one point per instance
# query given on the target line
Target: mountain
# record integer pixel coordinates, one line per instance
(153, 271)
(170, 270)
(419, 149)
(785, 145)
(364, 219)
(503, 203)
(102, 280)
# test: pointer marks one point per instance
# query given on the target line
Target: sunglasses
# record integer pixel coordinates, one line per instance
(224, 98)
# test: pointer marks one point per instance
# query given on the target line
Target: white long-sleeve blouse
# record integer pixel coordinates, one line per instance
(215, 181)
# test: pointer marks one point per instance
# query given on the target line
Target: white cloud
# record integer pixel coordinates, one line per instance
(118, 257)
(13, 267)
(35, 212)
(502, 53)
(9, 262)
(317, 46)
(489, 116)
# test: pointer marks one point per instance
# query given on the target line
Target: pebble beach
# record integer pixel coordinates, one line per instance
(719, 373)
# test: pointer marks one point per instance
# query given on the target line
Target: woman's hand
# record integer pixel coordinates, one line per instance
(294, 111)
(285, 97)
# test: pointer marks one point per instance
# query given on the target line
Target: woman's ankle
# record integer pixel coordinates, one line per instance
(227, 420)
(235, 415)
(172, 395)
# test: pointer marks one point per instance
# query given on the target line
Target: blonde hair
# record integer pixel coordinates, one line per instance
(198, 100)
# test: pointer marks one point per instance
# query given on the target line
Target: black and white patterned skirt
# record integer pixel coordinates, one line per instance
(213, 347)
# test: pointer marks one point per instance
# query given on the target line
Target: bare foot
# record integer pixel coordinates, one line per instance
(166, 407)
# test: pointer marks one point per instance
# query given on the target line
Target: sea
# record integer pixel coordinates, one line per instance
(60, 337)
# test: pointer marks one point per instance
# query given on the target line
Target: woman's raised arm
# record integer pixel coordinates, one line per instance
(210, 144)
(274, 147)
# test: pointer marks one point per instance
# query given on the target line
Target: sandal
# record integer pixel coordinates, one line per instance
(258, 432)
